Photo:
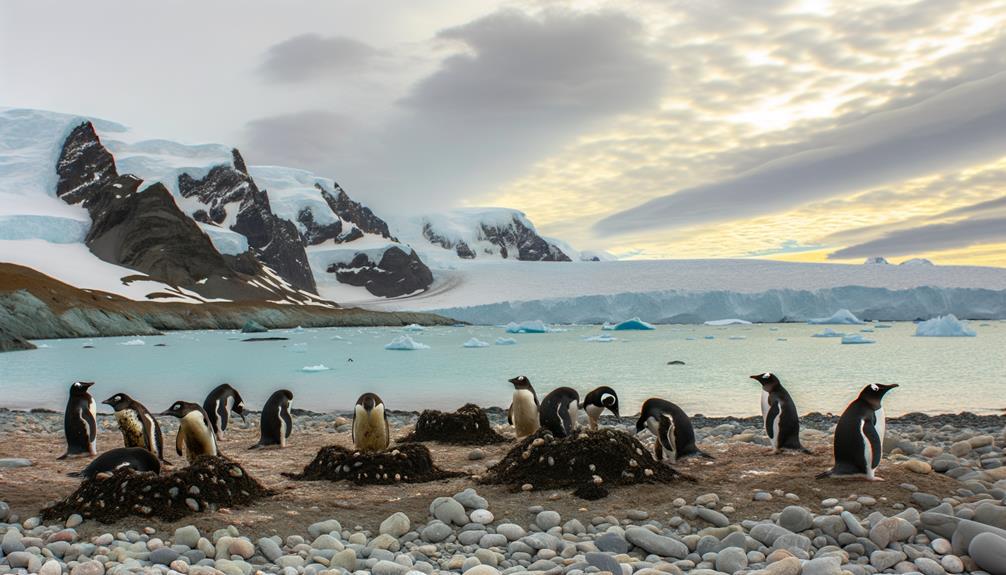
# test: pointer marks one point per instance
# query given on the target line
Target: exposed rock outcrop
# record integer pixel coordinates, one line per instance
(397, 273)
(9, 342)
(356, 213)
(495, 231)
(276, 241)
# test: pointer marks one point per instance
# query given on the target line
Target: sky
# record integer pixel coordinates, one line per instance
(804, 130)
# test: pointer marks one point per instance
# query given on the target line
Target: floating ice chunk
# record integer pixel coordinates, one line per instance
(730, 321)
(405, 343)
(531, 326)
(298, 348)
(840, 317)
(828, 332)
(781, 339)
(856, 338)
(629, 324)
(475, 342)
(297, 329)
(600, 338)
(689, 338)
(709, 337)
(413, 327)
(867, 330)
(315, 368)
(737, 337)
(134, 342)
(882, 326)
(944, 326)
(506, 341)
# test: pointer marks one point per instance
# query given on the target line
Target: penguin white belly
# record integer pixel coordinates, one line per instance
(93, 408)
(282, 426)
(574, 414)
(369, 431)
(593, 414)
(764, 405)
(199, 439)
(524, 413)
(867, 450)
(775, 429)
(151, 433)
(881, 427)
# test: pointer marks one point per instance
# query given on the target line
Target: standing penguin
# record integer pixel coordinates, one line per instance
(859, 435)
(138, 427)
(194, 431)
(672, 428)
(276, 421)
(523, 411)
(597, 401)
(370, 424)
(559, 411)
(779, 415)
(80, 422)
(218, 406)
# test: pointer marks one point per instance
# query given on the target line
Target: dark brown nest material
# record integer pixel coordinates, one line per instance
(466, 426)
(409, 463)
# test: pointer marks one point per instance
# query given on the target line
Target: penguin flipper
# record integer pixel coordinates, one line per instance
(870, 431)
(179, 440)
(770, 418)
(509, 414)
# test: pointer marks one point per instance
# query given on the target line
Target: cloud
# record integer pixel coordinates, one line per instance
(303, 139)
(929, 238)
(784, 247)
(310, 56)
(958, 127)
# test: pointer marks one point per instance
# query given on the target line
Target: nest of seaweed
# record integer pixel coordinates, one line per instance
(410, 463)
(588, 461)
(469, 425)
(209, 483)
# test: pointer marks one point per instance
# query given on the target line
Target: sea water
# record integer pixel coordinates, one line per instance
(327, 369)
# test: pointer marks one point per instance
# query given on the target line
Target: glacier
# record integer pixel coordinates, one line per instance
(840, 317)
(770, 306)
(944, 326)
(730, 321)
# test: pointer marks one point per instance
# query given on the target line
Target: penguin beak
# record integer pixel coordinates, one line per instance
(513, 380)
(614, 411)
(107, 401)
(756, 378)
(87, 384)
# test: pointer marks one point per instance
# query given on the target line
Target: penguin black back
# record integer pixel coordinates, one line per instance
(671, 426)
(595, 402)
(859, 434)
(139, 428)
(277, 424)
(559, 410)
(218, 406)
(136, 458)
(80, 423)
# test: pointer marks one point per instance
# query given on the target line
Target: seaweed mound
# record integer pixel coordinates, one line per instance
(410, 463)
(466, 426)
(586, 461)
(209, 483)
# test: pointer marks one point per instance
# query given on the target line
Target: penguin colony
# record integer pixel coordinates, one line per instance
(858, 438)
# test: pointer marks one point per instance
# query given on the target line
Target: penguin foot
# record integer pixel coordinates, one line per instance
(877, 478)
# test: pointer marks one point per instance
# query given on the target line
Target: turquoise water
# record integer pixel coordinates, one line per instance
(935, 374)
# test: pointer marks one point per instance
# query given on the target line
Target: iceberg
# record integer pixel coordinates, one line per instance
(297, 329)
(737, 337)
(828, 332)
(731, 321)
(600, 338)
(405, 343)
(134, 342)
(840, 317)
(506, 341)
(531, 326)
(853, 338)
(709, 337)
(315, 368)
(944, 326)
(629, 324)
(413, 327)
(475, 342)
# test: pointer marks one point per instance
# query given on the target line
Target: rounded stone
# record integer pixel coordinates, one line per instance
(547, 520)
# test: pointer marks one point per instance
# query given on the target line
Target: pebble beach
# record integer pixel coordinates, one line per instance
(942, 509)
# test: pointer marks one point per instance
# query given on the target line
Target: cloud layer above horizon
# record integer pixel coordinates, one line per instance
(794, 129)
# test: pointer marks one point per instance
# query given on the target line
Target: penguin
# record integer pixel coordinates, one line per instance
(595, 402)
(218, 406)
(370, 424)
(276, 421)
(779, 415)
(194, 431)
(136, 458)
(859, 435)
(80, 422)
(523, 411)
(672, 428)
(138, 426)
(559, 411)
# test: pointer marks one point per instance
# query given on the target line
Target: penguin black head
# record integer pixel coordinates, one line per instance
(119, 401)
(181, 408)
(605, 398)
(873, 393)
(368, 401)
(521, 382)
(79, 388)
(768, 380)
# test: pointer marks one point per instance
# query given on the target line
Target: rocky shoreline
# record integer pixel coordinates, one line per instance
(942, 510)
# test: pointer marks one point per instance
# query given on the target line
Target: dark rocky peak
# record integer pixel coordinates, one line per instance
(276, 241)
(315, 233)
(355, 213)
(461, 248)
(223, 185)
(84, 167)
(239, 161)
(398, 273)
(518, 237)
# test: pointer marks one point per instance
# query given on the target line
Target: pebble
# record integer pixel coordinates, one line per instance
(547, 520)
(656, 544)
(795, 519)
(449, 510)
(396, 525)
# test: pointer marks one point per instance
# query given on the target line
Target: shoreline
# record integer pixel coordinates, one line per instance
(936, 467)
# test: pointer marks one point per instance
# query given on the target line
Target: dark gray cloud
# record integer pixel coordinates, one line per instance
(958, 127)
(311, 56)
(304, 139)
(929, 238)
